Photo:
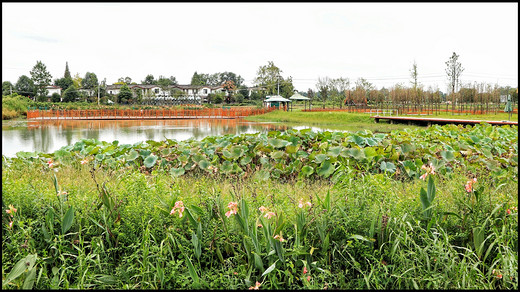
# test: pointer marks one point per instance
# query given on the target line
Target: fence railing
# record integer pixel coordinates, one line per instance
(106, 114)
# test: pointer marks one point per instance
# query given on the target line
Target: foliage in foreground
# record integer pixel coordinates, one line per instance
(97, 219)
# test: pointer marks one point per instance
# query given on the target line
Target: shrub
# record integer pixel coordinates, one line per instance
(56, 97)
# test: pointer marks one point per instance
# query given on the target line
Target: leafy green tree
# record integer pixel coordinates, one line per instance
(323, 89)
(414, 74)
(90, 82)
(41, 78)
(454, 70)
(25, 86)
(199, 79)
(164, 83)
(64, 83)
(55, 97)
(173, 80)
(286, 87)
(76, 81)
(268, 76)
(67, 72)
(71, 94)
(125, 94)
(128, 80)
(7, 88)
(149, 80)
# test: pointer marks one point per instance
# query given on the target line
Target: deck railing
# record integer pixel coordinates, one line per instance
(132, 114)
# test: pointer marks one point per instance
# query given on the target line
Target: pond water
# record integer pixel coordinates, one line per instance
(49, 136)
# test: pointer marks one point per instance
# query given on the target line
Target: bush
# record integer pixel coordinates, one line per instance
(14, 106)
(56, 97)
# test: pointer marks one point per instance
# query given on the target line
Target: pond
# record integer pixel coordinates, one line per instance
(49, 136)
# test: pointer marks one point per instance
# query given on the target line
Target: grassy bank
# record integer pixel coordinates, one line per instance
(295, 210)
(346, 121)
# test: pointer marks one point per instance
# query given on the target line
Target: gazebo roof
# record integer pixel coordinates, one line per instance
(276, 98)
(298, 96)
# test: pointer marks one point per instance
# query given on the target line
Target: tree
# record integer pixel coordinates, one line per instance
(164, 83)
(269, 77)
(413, 74)
(125, 94)
(67, 72)
(41, 78)
(199, 79)
(76, 81)
(230, 87)
(149, 80)
(366, 87)
(286, 87)
(128, 80)
(71, 94)
(173, 80)
(337, 88)
(55, 97)
(90, 82)
(63, 83)
(453, 70)
(7, 88)
(323, 88)
(25, 86)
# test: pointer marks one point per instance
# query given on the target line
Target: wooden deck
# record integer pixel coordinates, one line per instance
(430, 121)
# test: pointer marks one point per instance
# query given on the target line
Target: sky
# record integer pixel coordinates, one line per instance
(376, 41)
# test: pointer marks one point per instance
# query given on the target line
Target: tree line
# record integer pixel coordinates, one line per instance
(340, 92)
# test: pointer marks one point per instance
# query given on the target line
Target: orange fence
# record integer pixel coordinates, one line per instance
(131, 114)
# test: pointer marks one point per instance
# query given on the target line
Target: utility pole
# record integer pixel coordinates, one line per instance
(278, 82)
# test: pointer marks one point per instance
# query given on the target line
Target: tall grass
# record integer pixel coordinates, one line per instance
(351, 232)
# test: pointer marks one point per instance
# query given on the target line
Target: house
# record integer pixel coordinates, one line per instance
(51, 89)
(197, 92)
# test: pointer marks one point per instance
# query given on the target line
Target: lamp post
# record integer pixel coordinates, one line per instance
(99, 83)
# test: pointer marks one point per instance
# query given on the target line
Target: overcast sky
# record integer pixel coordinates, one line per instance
(375, 41)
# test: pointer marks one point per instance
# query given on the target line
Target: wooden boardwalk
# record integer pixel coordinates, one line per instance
(430, 121)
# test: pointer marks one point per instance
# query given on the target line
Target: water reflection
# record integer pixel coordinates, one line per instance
(49, 136)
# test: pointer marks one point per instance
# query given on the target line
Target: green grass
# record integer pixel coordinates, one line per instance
(364, 230)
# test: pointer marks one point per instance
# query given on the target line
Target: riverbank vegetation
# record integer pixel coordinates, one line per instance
(426, 208)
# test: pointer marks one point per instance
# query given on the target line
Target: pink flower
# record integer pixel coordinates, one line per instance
(61, 193)
(429, 170)
(84, 161)
(301, 203)
(469, 185)
(308, 278)
(256, 287)
(179, 207)
(10, 224)
(50, 163)
(259, 225)
(231, 212)
(234, 209)
(262, 209)
(304, 270)
(268, 215)
(11, 210)
(279, 237)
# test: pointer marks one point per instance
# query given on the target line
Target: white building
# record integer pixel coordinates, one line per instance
(51, 89)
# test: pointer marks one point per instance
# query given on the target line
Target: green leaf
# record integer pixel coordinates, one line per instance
(29, 280)
(319, 158)
(245, 160)
(406, 148)
(131, 155)
(204, 164)
(67, 220)
(20, 267)
(447, 155)
(270, 269)
(177, 171)
(431, 189)
(360, 141)
(149, 162)
(326, 169)
(277, 143)
(307, 170)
